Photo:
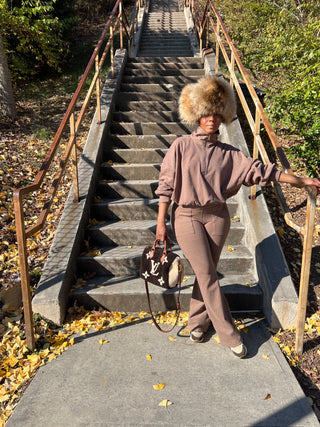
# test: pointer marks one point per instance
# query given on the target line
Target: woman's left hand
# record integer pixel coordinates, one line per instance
(312, 182)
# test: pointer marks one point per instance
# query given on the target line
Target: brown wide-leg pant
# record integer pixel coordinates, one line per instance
(201, 234)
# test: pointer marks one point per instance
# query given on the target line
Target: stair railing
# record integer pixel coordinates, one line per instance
(91, 76)
(208, 21)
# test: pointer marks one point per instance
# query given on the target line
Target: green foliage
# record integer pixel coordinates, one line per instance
(93, 9)
(282, 39)
(33, 32)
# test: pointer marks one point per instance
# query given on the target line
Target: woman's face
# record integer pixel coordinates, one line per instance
(210, 124)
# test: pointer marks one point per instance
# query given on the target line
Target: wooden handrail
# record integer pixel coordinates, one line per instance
(117, 18)
(217, 26)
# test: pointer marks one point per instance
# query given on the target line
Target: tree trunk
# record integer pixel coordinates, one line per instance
(7, 103)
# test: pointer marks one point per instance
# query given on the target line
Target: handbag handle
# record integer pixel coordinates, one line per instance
(167, 248)
(178, 301)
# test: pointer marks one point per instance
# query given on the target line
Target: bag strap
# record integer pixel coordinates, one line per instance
(178, 303)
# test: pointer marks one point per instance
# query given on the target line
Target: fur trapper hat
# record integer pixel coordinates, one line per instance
(210, 95)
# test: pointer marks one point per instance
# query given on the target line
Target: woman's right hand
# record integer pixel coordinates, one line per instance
(162, 232)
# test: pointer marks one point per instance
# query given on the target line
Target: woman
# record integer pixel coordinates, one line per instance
(199, 173)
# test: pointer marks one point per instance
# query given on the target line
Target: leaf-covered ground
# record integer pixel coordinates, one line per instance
(23, 145)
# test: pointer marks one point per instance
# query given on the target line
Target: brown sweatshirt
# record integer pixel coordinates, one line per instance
(198, 170)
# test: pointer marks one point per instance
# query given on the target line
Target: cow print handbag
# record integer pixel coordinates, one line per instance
(161, 267)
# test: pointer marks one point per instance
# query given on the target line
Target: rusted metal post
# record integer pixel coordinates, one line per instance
(98, 89)
(207, 27)
(24, 269)
(305, 272)
(74, 160)
(232, 69)
(217, 50)
(200, 38)
(121, 25)
(111, 52)
(255, 147)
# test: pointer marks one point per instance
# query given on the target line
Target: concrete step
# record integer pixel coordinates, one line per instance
(152, 42)
(152, 88)
(164, 36)
(160, 79)
(122, 233)
(128, 294)
(155, 71)
(165, 13)
(125, 261)
(150, 52)
(135, 208)
(164, 60)
(165, 49)
(154, 155)
(125, 209)
(127, 189)
(130, 171)
(155, 17)
(142, 233)
(124, 97)
(124, 105)
(177, 128)
(169, 64)
(161, 25)
(142, 141)
(172, 26)
(146, 116)
(164, 20)
(166, 29)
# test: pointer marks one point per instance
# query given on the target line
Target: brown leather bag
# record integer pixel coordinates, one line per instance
(161, 267)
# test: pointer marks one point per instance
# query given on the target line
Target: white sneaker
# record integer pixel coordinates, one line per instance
(239, 351)
(197, 336)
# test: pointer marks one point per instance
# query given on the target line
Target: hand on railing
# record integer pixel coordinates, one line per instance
(299, 181)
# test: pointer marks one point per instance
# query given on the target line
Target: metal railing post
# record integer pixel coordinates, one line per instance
(111, 52)
(74, 159)
(24, 269)
(217, 50)
(98, 89)
(207, 27)
(255, 147)
(232, 70)
(305, 272)
(121, 25)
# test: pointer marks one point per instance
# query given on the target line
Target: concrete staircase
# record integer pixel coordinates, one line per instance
(123, 216)
(165, 32)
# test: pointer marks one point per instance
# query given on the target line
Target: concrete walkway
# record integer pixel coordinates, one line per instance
(112, 385)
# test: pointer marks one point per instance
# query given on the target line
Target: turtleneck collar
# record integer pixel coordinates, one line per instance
(206, 137)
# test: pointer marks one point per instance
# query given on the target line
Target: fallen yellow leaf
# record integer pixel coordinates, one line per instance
(217, 339)
(159, 386)
(148, 357)
(171, 338)
(103, 341)
(265, 356)
(287, 349)
(165, 403)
